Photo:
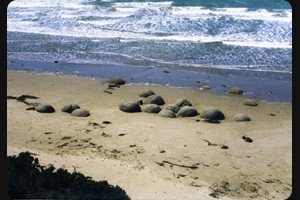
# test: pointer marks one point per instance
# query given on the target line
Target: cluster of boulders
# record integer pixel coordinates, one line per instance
(152, 103)
(73, 109)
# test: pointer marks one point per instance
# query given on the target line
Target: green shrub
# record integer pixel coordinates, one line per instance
(27, 179)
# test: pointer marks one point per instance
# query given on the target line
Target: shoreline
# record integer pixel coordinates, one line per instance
(138, 145)
(269, 86)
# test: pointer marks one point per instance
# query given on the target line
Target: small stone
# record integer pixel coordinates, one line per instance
(80, 113)
(241, 117)
(116, 81)
(45, 108)
(205, 87)
(235, 90)
(250, 102)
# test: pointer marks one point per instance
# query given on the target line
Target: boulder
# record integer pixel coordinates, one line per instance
(183, 102)
(240, 117)
(45, 108)
(235, 90)
(130, 107)
(172, 107)
(205, 87)
(212, 114)
(70, 108)
(187, 111)
(151, 108)
(167, 113)
(80, 113)
(153, 99)
(250, 102)
(116, 81)
(145, 93)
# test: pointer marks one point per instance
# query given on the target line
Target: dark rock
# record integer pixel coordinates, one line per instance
(145, 93)
(250, 102)
(241, 117)
(80, 113)
(183, 102)
(247, 139)
(187, 111)
(70, 108)
(212, 113)
(55, 61)
(153, 99)
(172, 107)
(151, 108)
(130, 107)
(45, 108)
(235, 90)
(116, 81)
(167, 113)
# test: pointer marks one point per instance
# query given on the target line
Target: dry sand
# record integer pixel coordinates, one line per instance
(146, 154)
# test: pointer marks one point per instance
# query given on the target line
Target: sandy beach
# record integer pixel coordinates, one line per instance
(149, 156)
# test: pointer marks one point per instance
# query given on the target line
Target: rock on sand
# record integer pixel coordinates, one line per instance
(45, 108)
(130, 107)
(250, 102)
(235, 90)
(187, 111)
(116, 81)
(172, 107)
(151, 108)
(80, 113)
(145, 93)
(167, 113)
(183, 102)
(240, 117)
(211, 113)
(70, 108)
(153, 99)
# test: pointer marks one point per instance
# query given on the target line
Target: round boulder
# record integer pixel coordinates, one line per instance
(241, 117)
(211, 113)
(116, 81)
(146, 93)
(153, 99)
(70, 108)
(235, 90)
(45, 108)
(183, 102)
(80, 113)
(151, 108)
(172, 107)
(167, 113)
(250, 102)
(187, 111)
(130, 107)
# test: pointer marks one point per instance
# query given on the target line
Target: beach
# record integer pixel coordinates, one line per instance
(149, 156)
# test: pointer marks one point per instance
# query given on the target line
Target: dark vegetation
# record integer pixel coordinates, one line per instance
(27, 179)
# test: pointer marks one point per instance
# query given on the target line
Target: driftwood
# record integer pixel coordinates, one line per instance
(178, 165)
(209, 143)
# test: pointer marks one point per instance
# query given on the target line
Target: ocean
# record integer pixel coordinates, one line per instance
(209, 40)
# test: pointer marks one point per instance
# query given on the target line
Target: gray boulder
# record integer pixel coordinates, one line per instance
(80, 113)
(250, 102)
(183, 102)
(151, 108)
(153, 99)
(241, 117)
(45, 108)
(172, 107)
(145, 93)
(211, 113)
(235, 90)
(167, 113)
(130, 107)
(187, 111)
(70, 108)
